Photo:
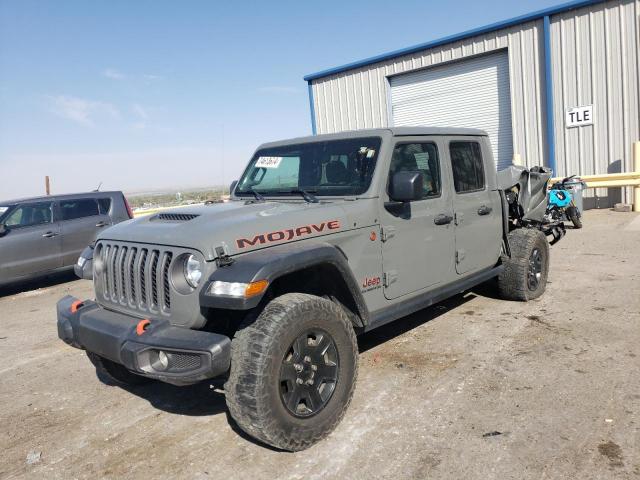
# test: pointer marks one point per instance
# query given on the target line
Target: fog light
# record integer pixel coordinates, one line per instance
(163, 360)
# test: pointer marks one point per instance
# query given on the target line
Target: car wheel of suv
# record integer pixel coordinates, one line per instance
(293, 371)
(115, 372)
(524, 276)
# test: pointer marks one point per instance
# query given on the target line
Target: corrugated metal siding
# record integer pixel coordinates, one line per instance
(595, 61)
(466, 93)
(358, 98)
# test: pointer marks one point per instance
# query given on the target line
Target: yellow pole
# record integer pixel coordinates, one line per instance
(636, 168)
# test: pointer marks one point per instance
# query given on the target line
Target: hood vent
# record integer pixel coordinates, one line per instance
(175, 217)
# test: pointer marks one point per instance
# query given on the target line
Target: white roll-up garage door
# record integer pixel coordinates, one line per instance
(470, 93)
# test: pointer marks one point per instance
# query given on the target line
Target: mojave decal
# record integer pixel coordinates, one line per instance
(288, 234)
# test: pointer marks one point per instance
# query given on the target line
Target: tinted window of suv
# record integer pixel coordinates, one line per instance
(466, 162)
(105, 205)
(72, 209)
(29, 215)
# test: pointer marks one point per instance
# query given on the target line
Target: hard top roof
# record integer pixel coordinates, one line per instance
(378, 132)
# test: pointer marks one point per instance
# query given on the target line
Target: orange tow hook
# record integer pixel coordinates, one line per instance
(75, 306)
(142, 326)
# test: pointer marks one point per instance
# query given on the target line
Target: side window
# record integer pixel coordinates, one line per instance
(78, 208)
(418, 157)
(29, 215)
(466, 162)
(104, 204)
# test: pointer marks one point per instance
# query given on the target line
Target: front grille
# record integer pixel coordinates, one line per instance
(136, 276)
(184, 361)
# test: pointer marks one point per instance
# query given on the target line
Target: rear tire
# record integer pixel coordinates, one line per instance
(574, 216)
(115, 372)
(524, 276)
(293, 371)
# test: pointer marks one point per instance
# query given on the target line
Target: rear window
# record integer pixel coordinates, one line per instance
(104, 204)
(466, 161)
(80, 208)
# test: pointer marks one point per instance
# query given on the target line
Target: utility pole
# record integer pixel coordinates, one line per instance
(47, 186)
(223, 179)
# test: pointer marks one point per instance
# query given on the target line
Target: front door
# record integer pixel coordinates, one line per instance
(418, 241)
(31, 244)
(80, 222)
(478, 212)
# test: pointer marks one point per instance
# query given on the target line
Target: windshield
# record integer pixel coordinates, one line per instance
(3, 210)
(333, 167)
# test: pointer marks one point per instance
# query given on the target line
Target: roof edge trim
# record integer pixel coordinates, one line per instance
(537, 15)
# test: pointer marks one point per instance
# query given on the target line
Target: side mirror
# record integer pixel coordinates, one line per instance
(406, 186)
(3, 230)
(84, 266)
(233, 187)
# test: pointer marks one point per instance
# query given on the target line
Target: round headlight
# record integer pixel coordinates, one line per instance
(192, 271)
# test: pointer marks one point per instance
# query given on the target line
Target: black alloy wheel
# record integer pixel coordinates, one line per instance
(535, 269)
(309, 373)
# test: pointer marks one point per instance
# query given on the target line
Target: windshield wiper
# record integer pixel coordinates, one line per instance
(305, 194)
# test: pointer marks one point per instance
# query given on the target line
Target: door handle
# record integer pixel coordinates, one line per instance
(442, 219)
(49, 234)
(101, 224)
(484, 210)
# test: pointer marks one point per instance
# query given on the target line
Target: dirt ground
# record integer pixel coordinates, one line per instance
(472, 388)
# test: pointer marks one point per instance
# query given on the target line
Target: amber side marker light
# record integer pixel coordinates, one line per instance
(256, 288)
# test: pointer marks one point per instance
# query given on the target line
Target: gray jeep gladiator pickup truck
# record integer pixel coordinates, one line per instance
(325, 237)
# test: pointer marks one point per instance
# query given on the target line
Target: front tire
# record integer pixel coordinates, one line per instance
(574, 216)
(293, 371)
(524, 276)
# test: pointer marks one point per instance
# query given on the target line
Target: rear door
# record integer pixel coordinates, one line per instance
(80, 222)
(417, 252)
(32, 243)
(478, 219)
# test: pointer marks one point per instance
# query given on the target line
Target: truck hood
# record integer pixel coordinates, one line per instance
(237, 226)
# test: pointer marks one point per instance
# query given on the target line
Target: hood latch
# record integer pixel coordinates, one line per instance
(223, 260)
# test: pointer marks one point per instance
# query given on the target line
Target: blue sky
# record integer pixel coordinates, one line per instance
(143, 95)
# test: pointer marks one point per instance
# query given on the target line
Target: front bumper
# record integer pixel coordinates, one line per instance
(189, 355)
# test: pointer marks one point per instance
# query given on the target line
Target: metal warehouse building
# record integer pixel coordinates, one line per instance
(558, 87)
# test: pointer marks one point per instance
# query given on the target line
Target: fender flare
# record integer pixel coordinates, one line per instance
(275, 262)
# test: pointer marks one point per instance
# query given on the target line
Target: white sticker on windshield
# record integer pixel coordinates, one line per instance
(268, 162)
(371, 153)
